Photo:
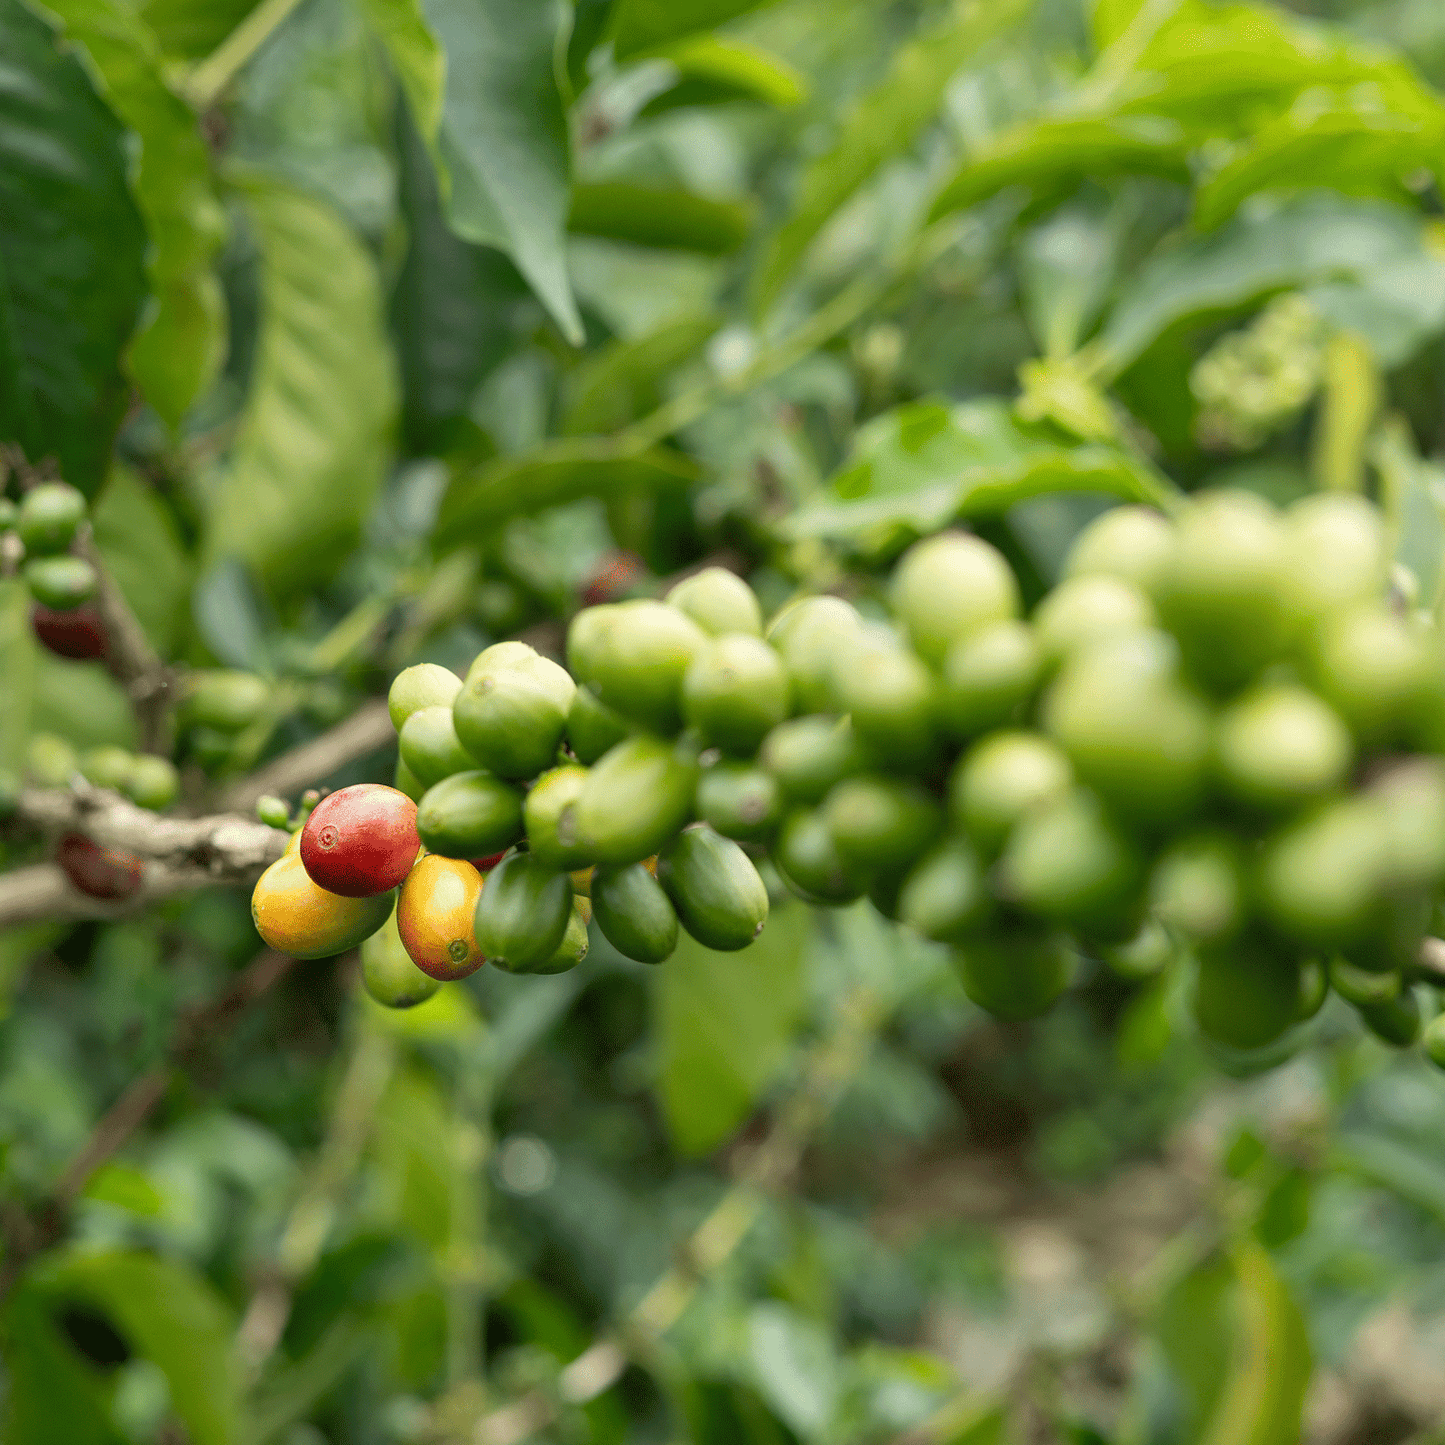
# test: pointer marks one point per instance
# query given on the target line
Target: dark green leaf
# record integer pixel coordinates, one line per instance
(883, 124)
(725, 1024)
(622, 381)
(480, 499)
(314, 438)
(71, 249)
(644, 25)
(183, 342)
(670, 220)
(503, 139)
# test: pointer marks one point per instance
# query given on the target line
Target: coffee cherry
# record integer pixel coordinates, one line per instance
(436, 917)
(740, 801)
(808, 861)
(1374, 669)
(154, 783)
(1278, 746)
(882, 825)
(522, 914)
(48, 518)
(98, 872)
(810, 755)
(1335, 553)
(639, 661)
(429, 746)
(635, 799)
(425, 685)
(735, 689)
(1002, 778)
(550, 816)
(892, 699)
(1198, 887)
(946, 896)
(512, 711)
(224, 700)
(469, 815)
(78, 634)
(273, 812)
(586, 638)
(50, 760)
(988, 677)
(714, 887)
(1314, 989)
(948, 586)
(296, 917)
(1396, 1022)
(108, 767)
(1146, 955)
(719, 602)
(634, 913)
(388, 973)
(1363, 987)
(361, 841)
(1015, 974)
(574, 946)
(1247, 992)
(807, 636)
(1433, 1041)
(593, 727)
(1133, 544)
(60, 583)
(406, 781)
(1085, 610)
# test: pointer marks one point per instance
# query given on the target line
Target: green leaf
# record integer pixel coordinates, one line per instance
(417, 58)
(192, 29)
(666, 219)
(137, 538)
(503, 139)
(82, 703)
(314, 437)
(622, 381)
(714, 71)
(172, 1316)
(725, 1024)
(67, 310)
(480, 499)
(883, 124)
(645, 25)
(795, 1366)
(183, 342)
(17, 667)
(1412, 492)
(1403, 1169)
(1111, 18)
(921, 466)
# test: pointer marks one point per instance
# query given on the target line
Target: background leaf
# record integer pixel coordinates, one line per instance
(417, 58)
(670, 220)
(67, 310)
(17, 667)
(640, 25)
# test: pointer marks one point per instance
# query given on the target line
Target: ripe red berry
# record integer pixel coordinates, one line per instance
(485, 865)
(100, 872)
(360, 841)
(76, 633)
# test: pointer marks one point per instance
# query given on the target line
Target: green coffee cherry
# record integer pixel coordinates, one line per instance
(586, 637)
(1433, 1041)
(1247, 993)
(572, 950)
(892, 698)
(1133, 544)
(635, 915)
(227, 701)
(946, 896)
(469, 815)
(1084, 610)
(154, 783)
(1198, 887)
(550, 814)
(1148, 953)
(635, 799)
(1409, 800)
(49, 517)
(429, 747)
(108, 767)
(719, 898)
(719, 602)
(640, 658)
(387, 972)
(1280, 745)
(1374, 669)
(425, 685)
(1363, 987)
(810, 755)
(406, 781)
(1003, 777)
(1224, 597)
(50, 760)
(1335, 553)
(988, 677)
(1314, 989)
(523, 912)
(740, 801)
(808, 861)
(512, 710)
(274, 812)
(593, 727)
(1069, 863)
(881, 825)
(734, 691)
(1396, 1022)
(948, 586)
(808, 636)
(1016, 974)
(1132, 729)
(60, 583)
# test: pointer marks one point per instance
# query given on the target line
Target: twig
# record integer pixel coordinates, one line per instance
(116, 1125)
(206, 83)
(129, 656)
(367, 730)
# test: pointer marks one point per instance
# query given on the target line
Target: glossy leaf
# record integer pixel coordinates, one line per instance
(67, 311)
(183, 340)
(883, 124)
(712, 70)
(725, 1024)
(644, 25)
(669, 220)
(622, 381)
(481, 498)
(313, 440)
(503, 139)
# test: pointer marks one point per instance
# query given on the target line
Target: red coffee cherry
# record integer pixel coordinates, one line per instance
(360, 841)
(77, 633)
(485, 865)
(99, 872)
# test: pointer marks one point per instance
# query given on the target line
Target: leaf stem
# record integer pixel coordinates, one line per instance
(208, 81)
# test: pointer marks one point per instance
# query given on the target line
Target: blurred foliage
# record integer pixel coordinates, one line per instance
(384, 330)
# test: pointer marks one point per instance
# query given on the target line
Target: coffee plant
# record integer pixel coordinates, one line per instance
(722, 722)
